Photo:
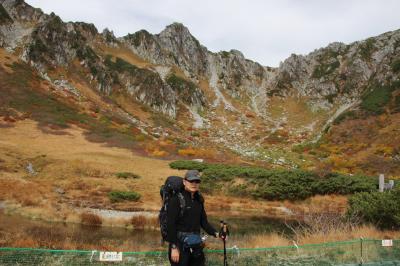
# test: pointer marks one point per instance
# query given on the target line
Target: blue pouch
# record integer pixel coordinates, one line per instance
(192, 241)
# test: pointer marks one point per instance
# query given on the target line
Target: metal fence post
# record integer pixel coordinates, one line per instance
(361, 251)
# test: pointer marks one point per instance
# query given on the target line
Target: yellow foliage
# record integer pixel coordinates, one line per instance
(166, 142)
(159, 153)
(340, 162)
(204, 153)
(187, 152)
(140, 137)
(207, 153)
(384, 150)
(333, 149)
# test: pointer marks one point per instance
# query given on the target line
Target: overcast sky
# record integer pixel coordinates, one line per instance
(265, 31)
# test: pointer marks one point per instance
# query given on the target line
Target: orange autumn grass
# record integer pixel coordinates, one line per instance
(365, 231)
(55, 240)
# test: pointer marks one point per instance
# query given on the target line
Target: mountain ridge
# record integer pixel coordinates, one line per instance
(241, 105)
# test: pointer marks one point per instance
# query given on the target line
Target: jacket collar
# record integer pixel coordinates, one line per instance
(188, 194)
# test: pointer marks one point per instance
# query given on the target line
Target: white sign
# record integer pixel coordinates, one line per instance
(110, 256)
(387, 243)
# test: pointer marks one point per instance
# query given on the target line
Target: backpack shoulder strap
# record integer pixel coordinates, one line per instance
(182, 203)
(201, 199)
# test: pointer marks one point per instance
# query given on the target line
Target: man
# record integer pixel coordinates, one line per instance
(182, 227)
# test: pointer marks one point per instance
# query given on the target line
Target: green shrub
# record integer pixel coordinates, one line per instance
(224, 54)
(376, 99)
(344, 116)
(181, 85)
(331, 97)
(302, 147)
(275, 184)
(397, 102)
(120, 65)
(87, 53)
(188, 165)
(237, 78)
(37, 48)
(55, 24)
(4, 17)
(367, 48)
(396, 66)
(325, 69)
(117, 196)
(127, 175)
(335, 183)
(381, 209)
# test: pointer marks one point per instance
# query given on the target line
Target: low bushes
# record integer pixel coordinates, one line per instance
(379, 98)
(181, 165)
(120, 65)
(396, 65)
(376, 99)
(344, 116)
(276, 184)
(381, 209)
(91, 219)
(325, 69)
(142, 221)
(179, 84)
(127, 175)
(117, 196)
(4, 16)
(366, 48)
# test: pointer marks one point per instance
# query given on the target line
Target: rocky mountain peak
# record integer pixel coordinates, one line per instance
(237, 53)
(184, 48)
(21, 11)
(174, 29)
(109, 36)
(179, 36)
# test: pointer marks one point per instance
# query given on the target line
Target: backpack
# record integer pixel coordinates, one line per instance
(173, 187)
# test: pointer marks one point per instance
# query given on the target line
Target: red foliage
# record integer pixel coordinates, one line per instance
(9, 119)
(248, 115)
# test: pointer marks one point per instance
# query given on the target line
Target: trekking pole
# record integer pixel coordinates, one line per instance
(225, 259)
(223, 233)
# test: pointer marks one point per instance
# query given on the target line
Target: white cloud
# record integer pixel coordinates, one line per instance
(265, 31)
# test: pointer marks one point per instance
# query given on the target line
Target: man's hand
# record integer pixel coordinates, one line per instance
(175, 255)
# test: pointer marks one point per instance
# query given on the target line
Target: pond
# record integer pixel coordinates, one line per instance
(19, 231)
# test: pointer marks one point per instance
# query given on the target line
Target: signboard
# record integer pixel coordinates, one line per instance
(387, 243)
(110, 256)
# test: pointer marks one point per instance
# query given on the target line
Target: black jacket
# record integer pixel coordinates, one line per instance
(193, 217)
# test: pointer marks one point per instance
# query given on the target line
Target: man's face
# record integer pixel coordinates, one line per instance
(191, 186)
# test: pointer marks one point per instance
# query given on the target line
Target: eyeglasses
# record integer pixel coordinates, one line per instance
(194, 181)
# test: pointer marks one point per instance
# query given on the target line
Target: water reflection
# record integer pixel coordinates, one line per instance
(37, 233)
(252, 225)
(13, 228)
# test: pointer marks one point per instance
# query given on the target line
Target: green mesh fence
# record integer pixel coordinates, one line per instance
(355, 252)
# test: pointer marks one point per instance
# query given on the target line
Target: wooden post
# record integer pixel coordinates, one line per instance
(391, 184)
(381, 182)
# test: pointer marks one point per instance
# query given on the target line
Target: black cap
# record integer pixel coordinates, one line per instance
(192, 175)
